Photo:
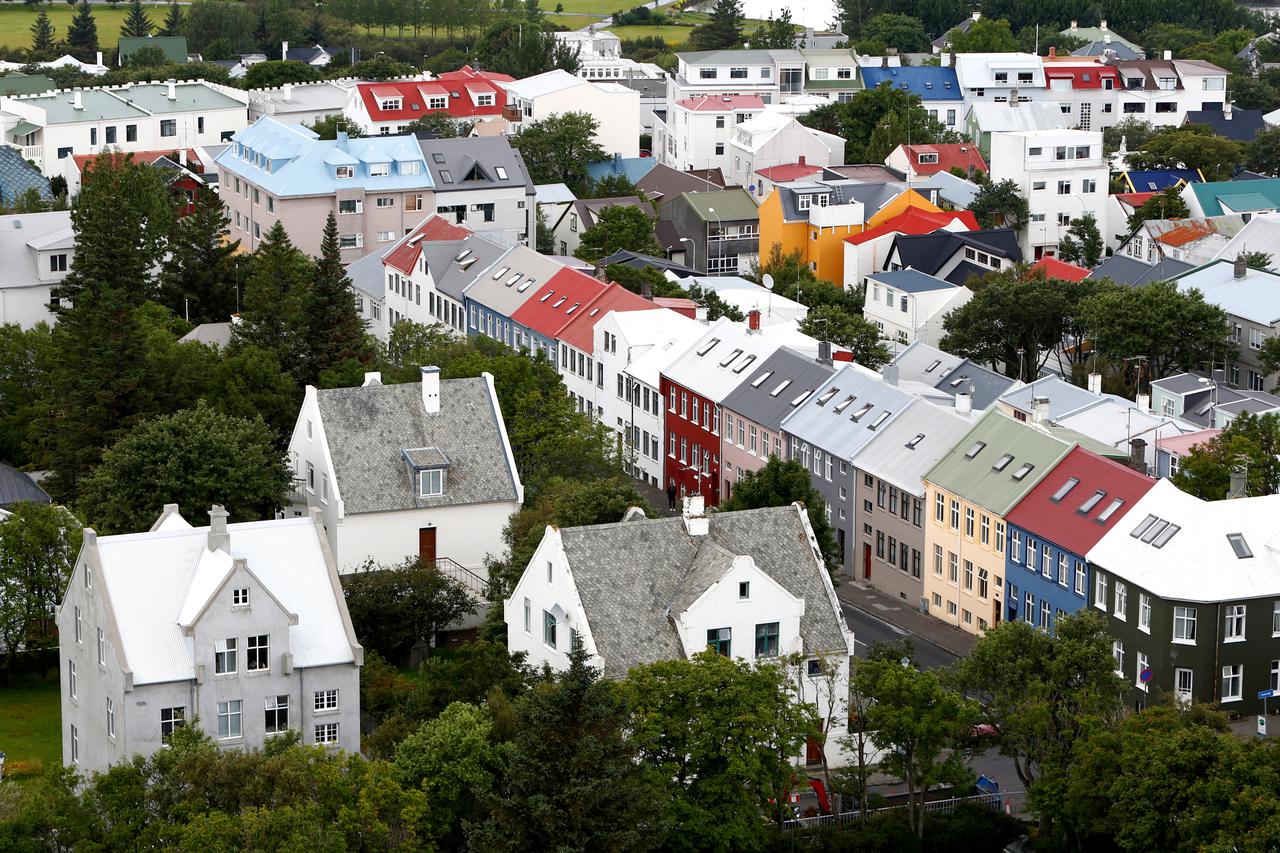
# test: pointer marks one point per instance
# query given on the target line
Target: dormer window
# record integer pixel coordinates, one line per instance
(240, 597)
(379, 170)
(390, 104)
(928, 158)
(428, 467)
(484, 100)
(342, 172)
(437, 102)
(410, 167)
(431, 483)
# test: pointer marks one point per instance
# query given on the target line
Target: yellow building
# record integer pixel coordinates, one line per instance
(814, 216)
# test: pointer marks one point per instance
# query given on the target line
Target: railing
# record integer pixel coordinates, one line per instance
(1011, 802)
(454, 570)
(34, 153)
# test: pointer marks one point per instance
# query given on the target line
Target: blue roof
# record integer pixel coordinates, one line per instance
(632, 168)
(291, 160)
(17, 176)
(911, 281)
(1154, 180)
(930, 82)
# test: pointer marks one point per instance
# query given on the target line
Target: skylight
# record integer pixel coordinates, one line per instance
(562, 300)
(1143, 526)
(1204, 410)
(911, 445)
(880, 418)
(857, 416)
(462, 254)
(1166, 535)
(1240, 546)
(760, 380)
(468, 262)
(800, 399)
(1064, 489)
(1091, 502)
(500, 273)
(827, 395)
(515, 278)
(1105, 515)
(934, 366)
(1002, 462)
(593, 312)
(1023, 470)
(527, 284)
(782, 386)
(730, 357)
(706, 348)
(841, 406)
(975, 450)
(746, 362)
(502, 172)
(547, 295)
(437, 157)
(572, 308)
(956, 382)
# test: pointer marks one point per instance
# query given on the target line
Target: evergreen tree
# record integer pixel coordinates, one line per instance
(136, 23)
(82, 35)
(724, 30)
(42, 43)
(274, 295)
(315, 33)
(199, 282)
(173, 20)
(335, 331)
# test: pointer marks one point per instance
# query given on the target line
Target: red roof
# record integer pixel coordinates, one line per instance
(1060, 521)
(1181, 235)
(404, 256)
(193, 161)
(460, 88)
(580, 331)
(678, 304)
(552, 307)
(722, 103)
(914, 220)
(1082, 76)
(1134, 200)
(1054, 268)
(957, 155)
(788, 172)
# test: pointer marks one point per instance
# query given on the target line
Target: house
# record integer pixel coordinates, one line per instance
(1207, 401)
(764, 181)
(983, 120)
(832, 73)
(466, 95)
(1002, 78)
(773, 75)
(773, 138)
(95, 68)
(579, 216)
(695, 131)
(133, 117)
(423, 280)
(482, 183)
(423, 469)
(1163, 91)
(17, 487)
(300, 103)
(1229, 121)
(908, 305)
(719, 231)
(864, 253)
(184, 172)
(217, 335)
(957, 382)
(18, 177)
(749, 584)
(1214, 198)
(638, 260)
(747, 296)
(1125, 270)
(1188, 589)
(1260, 233)
(1158, 180)
(1085, 88)
(591, 44)
(551, 305)
(582, 352)
(1171, 450)
(1251, 300)
(241, 629)
(500, 284)
(1061, 173)
(943, 42)
(1192, 241)
(615, 107)
(17, 83)
(317, 56)
(921, 161)
(937, 87)
(36, 250)
(1101, 39)
(601, 60)
(378, 187)
(956, 256)
(661, 184)
(174, 48)
(948, 191)
(1052, 268)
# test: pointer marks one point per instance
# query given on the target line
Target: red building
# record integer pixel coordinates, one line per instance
(465, 94)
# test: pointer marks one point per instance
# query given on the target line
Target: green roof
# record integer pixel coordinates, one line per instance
(1239, 195)
(174, 47)
(17, 83)
(22, 128)
(972, 475)
(730, 205)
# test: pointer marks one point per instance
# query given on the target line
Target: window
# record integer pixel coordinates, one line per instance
(737, 74)
(549, 629)
(986, 530)
(277, 714)
(102, 648)
(1046, 614)
(718, 640)
(240, 597)
(57, 263)
(326, 700)
(767, 639)
(350, 205)
(1235, 623)
(229, 719)
(1031, 554)
(968, 575)
(744, 589)
(1240, 546)
(75, 745)
(344, 172)
(1182, 681)
(1232, 682)
(937, 560)
(940, 508)
(1184, 625)
(953, 567)
(968, 521)
(1144, 664)
(326, 732)
(1015, 546)
(431, 482)
(1064, 188)
(1100, 592)
(983, 583)
(170, 719)
(79, 626)
(168, 127)
(1117, 652)
(1122, 600)
(955, 515)
(1275, 619)
(71, 679)
(258, 653)
(224, 656)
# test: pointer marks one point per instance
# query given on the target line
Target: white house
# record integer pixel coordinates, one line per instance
(774, 138)
(997, 77)
(482, 183)
(749, 584)
(132, 117)
(301, 103)
(422, 469)
(1163, 91)
(35, 253)
(774, 75)
(696, 131)
(241, 626)
(909, 306)
(615, 107)
(1062, 175)
(580, 346)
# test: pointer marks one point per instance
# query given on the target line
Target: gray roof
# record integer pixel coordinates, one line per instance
(492, 285)
(475, 157)
(1181, 383)
(916, 363)
(951, 188)
(369, 428)
(911, 444)
(826, 419)
(987, 385)
(911, 281)
(763, 401)
(17, 176)
(873, 196)
(741, 57)
(16, 487)
(213, 334)
(1123, 269)
(1065, 399)
(367, 276)
(634, 576)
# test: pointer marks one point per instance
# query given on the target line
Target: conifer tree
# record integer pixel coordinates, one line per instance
(173, 20)
(335, 330)
(136, 23)
(275, 294)
(199, 280)
(724, 30)
(82, 35)
(42, 43)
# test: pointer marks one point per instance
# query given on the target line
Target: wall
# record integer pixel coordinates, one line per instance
(792, 236)
(842, 477)
(939, 587)
(873, 508)
(1021, 579)
(688, 481)
(513, 210)
(737, 457)
(466, 534)
(26, 304)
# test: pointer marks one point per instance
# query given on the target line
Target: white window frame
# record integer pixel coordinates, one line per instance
(1233, 680)
(232, 711)
(226, 652)
(1234, 624)
(1184, 618)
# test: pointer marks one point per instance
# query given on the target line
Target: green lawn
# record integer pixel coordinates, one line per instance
(574, 22)
(30, 724)
(15, 23)
(589, 7)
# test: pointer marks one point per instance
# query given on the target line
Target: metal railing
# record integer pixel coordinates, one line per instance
(454, 570)
(1010, 802)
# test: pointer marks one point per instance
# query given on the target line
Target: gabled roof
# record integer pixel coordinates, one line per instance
(721, 360)
(502, 280)
(1064, 397)
(631, 168)
(461, 88)
(729, 205)
(930, 83)
(911, 281)
(553, 305)
(1212, 194)
(15, 487)
(954, 155)
(721, 103)
(589, 208)
(929, 252)
(668, 335)
(915, 220)
(1036, 115)
(404, 255)
(1180, 445)
(984, 384)
(1054, 268)
(1155, 180)
(1123, 269)
(1255, 296)
(474, 163)
(1134, 200)
(368, 429)
(772, 391)
(580, 331)
(911, 444)
(1098, 34)
(846, 411)
(17, 176)
(662, 183)
(1240, 125)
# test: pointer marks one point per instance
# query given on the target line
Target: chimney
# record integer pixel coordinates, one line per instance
(372, 378)
(287, 91)
(182, 157)
(1040, 410)
(173, 89)
(342, 140)
(964, 397)
(1239, 487)
(1095, 383)
(1138, 455)
(1226, 111)
(801, 160)
(890, 373)
(99, 58)
(824, 352)
(1168, 55)
(1106, 38)
(884, 61)
(977, 15)
(1144, 403)
(1053, 52)
(700, 314)
(695, 515)
(646, 290)
(76, 103)
(219, 538)
(1241, 268)
(284, 51)
(431, 389)
(1102, 25)
(1074, 27)
(753, 320)
(1013, 97)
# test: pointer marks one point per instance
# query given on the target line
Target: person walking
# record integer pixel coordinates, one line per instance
(671, 495)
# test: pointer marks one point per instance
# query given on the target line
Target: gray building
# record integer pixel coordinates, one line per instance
(482, 183)
(940, 376)
(1251, 300)
(717, 232)
(1207, 401)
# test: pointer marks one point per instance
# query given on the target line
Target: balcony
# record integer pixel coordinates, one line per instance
(836, 215)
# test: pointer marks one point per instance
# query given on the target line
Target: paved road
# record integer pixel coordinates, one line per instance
(869, 630)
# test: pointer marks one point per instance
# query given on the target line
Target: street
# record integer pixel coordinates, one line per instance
(869, 630)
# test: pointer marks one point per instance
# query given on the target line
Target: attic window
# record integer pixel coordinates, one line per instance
(955, 382)
(431, 483)
(1143, 526)
(730, 358)
(1165, 535)
(708, 346)
(745, 364)
(573, 308)
(881, 418)
(501, 172)
(760, 380)
(1240, 546)
(500, 273)
(1002, 462)
(445, 176)
(857, 416)
(514, 278)
(1064, 489)
(782, 386)
(562, 300)
(522, 288)
(1105, 515)
(911, 445)
(1023, 470)
(437, 157)
(841, 406)
(827, 395)
(975, 450)
(800, 399)
(547, 295)
(462, 254)
(467, 263)
(593, 312)
(428, 466)
(1091, 502)
(934, 366)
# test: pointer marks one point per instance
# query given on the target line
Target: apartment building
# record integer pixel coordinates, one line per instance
(389, 107)
(616, 108)
(36, 250)
(1086, 88)
(775, 76)
(1251, 300)
(482, 183)
(695, 131)
(1163, 91)
(1001, 78)
(937, 87)
(775, 138)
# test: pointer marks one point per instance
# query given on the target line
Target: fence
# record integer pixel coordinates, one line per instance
(1011, 802)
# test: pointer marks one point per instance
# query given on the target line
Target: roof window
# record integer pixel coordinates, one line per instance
(1002, 462)
(857, 416)
(800, 399)
(547, 295)
(708, 346)
(729, 359)
(1023, 470)
(934, 366)
(827, 395)
(1165, 535)
(782, 386)
(760, 380)
(467, 263)
(562, 300)
(500, 273)
(745, 364)
(1143, 526)
(975, 450)
(514, 278)
(1240, 546)
(528, 282)
(1064, 489)
(841, 406)
(572, 308)
(880, 418)
(1091, 502)
(1105, 515)
(914, 442)
(462, 254)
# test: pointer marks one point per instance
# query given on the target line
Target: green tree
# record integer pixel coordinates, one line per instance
(852, 331)
(776, 33)
(1000, 205)
(42, 39)
(1190, 147)
(723, 30)
(194, 458)
(1263, 153)
(779, 483)
(228, 26)
(136, 23)
(441, 124)
(1251, 93)
(38, 547)
(522, 48)
(1256, 260)
(395, 608)
(615, 185)
(330, 126)
(1268, 357)
(1250, 443)
(987, 35)
(172, 20)
(1012, 322)
(1133, 131)
(199, 282)
(276, 72)
(275, 296)
(82, 34)
(148, 56)
(334, 331)
(1082, 244)
(856, 120)
(381, 67)
(904, 32)
(1167, 204)
(249, 382)
(558, 148)
(25, 356)
(619, 227)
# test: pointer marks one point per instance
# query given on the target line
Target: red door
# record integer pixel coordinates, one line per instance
(427, 545)
(866, 559)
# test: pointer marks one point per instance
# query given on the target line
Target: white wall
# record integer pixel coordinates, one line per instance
(25, 304)
(616, 111)
(466, 534)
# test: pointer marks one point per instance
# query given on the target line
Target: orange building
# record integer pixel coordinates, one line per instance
(814, 217)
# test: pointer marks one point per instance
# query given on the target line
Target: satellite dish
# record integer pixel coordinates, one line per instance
(767, 281)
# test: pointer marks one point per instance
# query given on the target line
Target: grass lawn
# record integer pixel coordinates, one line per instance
(589, 7)
(16, 21)
(676, 33)
(31, 723)
(574, 22)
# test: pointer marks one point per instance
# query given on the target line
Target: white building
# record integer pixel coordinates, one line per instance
(696, 131)
(749, 584)
(1062, 175)
(591, 44)
(615, 107)
(132, 117)
(774, 75)
(35, 253)
(997, 76)
(422, 469)
(241, 626)
(909, 306)
(301, 103)
(1163, 91)
(774, 138)
(482, 183)
(581, 348)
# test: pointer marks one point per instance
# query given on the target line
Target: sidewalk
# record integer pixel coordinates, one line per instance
(901, 614)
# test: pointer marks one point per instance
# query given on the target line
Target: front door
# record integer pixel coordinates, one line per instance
(866, 559)
(427, 545)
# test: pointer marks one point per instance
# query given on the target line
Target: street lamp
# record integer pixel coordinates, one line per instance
(692, 251)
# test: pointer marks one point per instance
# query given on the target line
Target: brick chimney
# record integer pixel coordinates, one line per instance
(1053, 52)
(695, 515)
(431, 389)
(1138, 455)
(219, 538)
(1241, 268)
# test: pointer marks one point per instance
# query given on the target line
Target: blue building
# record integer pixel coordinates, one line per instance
(502, 285)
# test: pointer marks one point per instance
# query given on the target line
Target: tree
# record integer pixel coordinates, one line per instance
(986, 35)
(1250, 444)
(275, 72)
(249, 382)
(558, 148)
(38, 547)
(1268, 357)
(24, 358)
(195, 458)
(723, 30)
(1000, 205)
(920, 724)
(42, 38)
(136, 23)
(1082, 244)
(1190, 147)
(856, 120)
(722, 734)
(275, 296)
(618, 227)
(852, 331)
(1263, 153)
(1013, 322)
(1167, 204)
(1255, 260)
(148, 56)
(82, 34)
(213, 23)
(903, 32)
(395, 608)
(1044, 693)
(616, 185)
(330, 126)
(200, 280)
(440, 124)
(779, 483)
(1133, 132)
(381, 67)
(172, 21)
(776, 33)
(522, 48)
(335, 331)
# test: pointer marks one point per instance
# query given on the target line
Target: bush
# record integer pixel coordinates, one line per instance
(971, 828)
